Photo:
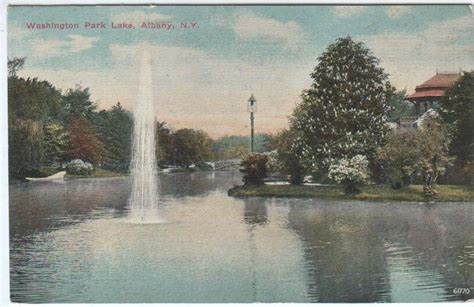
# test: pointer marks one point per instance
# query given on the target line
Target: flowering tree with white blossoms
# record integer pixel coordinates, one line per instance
(343, 114)
(353, 173)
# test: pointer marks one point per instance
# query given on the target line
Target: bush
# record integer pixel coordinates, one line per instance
(399, 158)
(79, 167)
(254, 169)
(352, 173)
(422, 152)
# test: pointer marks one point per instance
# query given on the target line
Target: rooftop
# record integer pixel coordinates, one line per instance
(440, 81)
(435, 86)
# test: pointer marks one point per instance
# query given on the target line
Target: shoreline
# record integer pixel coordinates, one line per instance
(101, 173)
(447, 193)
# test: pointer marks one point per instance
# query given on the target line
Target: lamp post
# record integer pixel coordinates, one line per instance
(251, 108)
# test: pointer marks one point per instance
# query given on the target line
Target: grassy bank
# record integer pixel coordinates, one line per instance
(447, 193)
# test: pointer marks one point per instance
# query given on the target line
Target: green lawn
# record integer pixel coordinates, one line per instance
(446, 193)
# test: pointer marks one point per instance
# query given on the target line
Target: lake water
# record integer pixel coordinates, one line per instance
(73, 242)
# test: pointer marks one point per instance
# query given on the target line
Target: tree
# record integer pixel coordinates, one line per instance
(457, 110)
(288, 157)
(423, 152)
(84, 143)
(25, 147)
(77, 103)
(33, 99)
(399, 106)
(55, 141)
(164, 139)
(190, 146)
(434, 149)
(399, 157)
(343, 114)
(114, 129)
(30, 104)
(14, 65)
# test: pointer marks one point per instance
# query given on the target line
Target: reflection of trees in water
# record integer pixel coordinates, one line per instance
(255, 215)
(346, 246)
(36, 207)
(441, 238)
(196, 183)
(255, 211)
(347, 262)
(42, 206)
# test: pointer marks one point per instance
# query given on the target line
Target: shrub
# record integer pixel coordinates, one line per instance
(423, 152)
(352, 173)
(254, 169)
(399, 158)
(79, 167)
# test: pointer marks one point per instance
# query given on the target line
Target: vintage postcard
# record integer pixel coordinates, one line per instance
(224, 153)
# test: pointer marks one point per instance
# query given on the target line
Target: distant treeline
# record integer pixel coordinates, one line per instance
(49, 127)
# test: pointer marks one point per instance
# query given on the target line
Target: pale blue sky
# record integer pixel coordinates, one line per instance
(203, 76)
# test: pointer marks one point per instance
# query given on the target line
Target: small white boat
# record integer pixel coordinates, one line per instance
(57, 176)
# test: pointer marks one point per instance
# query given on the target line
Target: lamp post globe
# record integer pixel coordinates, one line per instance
(252, 104)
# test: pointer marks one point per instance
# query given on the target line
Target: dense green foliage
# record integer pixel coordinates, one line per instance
(287, 156)
(344, 112)
(77, 103)
(115, 132)
(164, 150)
(50, 128)
(47, 127)
(457, 110)
(399, 107)
(31, 103)
(190, 146)
(399, 157)
(422, 152)
(56, 141)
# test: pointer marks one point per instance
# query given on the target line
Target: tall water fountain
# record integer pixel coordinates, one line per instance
(144, 195)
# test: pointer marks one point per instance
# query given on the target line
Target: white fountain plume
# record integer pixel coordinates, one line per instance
(144, 195)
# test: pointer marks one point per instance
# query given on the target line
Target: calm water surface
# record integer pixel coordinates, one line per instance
(72, 242)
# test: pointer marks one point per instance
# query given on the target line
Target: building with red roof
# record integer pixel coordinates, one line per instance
(429, 93)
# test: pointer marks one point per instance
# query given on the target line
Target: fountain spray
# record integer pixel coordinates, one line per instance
(144, 195)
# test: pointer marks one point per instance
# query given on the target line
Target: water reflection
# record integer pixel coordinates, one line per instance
(255, 215)
(37, 207)
(196, 183)
(255, 211)
(46, 206)
(340, 250)
(381, 252)
(71, 243)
